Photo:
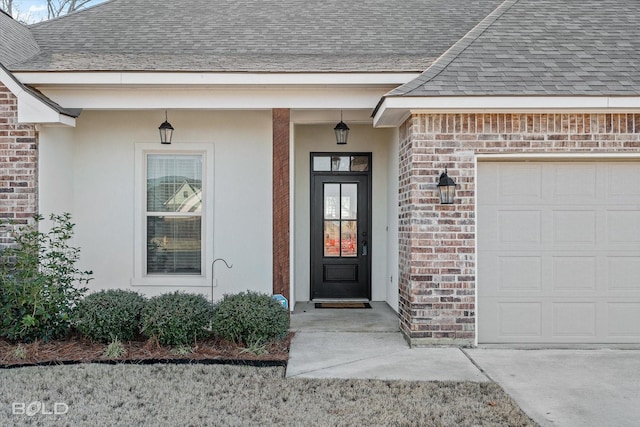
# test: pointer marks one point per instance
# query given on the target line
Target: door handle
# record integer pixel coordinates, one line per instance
(364, 248)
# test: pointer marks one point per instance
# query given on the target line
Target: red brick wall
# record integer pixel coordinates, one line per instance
(437, 242)
(18, 167)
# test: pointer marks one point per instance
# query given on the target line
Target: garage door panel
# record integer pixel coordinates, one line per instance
(624, 319)
(577, 184)
(623, 228)
(508, 273)
(519, 184)
(519, 273)
(513, 185)
(574, 320)
(520, 319)
(521, 227)
(622, 179)
(511, 321)
(574, 227)
(624, 273)
(567, 268)
(571, 273)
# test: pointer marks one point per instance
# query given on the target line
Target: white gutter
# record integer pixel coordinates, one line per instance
(393, 111)
(213, 79)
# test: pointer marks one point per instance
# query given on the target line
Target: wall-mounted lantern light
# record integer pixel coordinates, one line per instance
(342, 132)
(166, 130)
(447, 188)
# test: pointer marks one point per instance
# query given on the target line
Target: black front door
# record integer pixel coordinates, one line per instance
(340, 226)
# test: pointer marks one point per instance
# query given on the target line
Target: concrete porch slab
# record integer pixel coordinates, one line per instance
(379, 318)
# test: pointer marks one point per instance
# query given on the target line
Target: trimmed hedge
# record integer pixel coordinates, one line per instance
(177, 318)
(251, 318)
(110, 314)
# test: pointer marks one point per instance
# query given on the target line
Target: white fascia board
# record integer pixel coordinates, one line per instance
(30, 108)
(239, 98)
(394, 110)
(212, 79)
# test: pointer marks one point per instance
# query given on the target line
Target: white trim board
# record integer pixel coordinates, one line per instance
(558, 157)
(230, 98)
(212, 79)
(30, 108)
(394, 110)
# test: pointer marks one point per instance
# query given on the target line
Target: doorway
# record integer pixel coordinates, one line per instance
(341, 226)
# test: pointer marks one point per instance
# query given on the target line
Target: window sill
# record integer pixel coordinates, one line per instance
(176, 281)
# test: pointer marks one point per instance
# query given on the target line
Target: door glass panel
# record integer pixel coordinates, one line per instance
(340, 220)
(349, 199)
(349, 237)
(332, 238)
(359, 163)
(331, 198)
(322, 164)
(340, 163)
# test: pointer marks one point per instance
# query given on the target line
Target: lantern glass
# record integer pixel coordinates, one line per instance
(342, 133)
(447, 189)
(166, 132)
(446, 194)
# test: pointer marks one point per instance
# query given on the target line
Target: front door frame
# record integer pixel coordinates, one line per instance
(368, 215)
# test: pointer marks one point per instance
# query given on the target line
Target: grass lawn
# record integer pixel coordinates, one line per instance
(223, 395)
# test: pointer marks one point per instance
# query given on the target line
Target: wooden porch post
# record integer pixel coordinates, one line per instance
(281, 161)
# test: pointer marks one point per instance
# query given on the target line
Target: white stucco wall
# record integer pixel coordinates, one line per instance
(89, 171)
(362, 138)
(55, 170)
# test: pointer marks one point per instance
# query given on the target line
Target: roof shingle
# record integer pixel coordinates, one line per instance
(254, 35)
(16, 42)
(542, 47)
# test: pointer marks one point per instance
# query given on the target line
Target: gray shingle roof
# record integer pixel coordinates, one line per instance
(16, 42)
(493, 47)
(254, 35)
(542, 47)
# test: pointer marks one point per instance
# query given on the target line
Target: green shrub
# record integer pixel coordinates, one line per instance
(251, 318)
(108, 315)
(177, 318)
(40, 281)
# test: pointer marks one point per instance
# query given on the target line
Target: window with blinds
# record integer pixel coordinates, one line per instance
(173, 214)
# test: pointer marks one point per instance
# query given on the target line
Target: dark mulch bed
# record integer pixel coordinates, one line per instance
(76, 349)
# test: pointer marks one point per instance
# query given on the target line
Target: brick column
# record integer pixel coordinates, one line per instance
(18, 167)
(437, 242)
(281, 240)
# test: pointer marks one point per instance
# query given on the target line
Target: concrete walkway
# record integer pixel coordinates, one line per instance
(554, 387)
(366, 343)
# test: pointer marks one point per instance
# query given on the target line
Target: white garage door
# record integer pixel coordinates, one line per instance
(559, 252)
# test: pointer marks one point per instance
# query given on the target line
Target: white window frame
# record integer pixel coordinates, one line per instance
(140, 277)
